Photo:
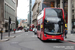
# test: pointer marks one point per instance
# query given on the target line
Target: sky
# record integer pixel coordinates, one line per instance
(23, 8)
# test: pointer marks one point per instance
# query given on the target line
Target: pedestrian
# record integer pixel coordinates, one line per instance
(65, 32)
(14, 30)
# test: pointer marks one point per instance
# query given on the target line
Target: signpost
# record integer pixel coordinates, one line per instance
(9, 26)
(1, 30)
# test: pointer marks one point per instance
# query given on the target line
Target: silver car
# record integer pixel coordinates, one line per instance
(26, 29)
(35, 30)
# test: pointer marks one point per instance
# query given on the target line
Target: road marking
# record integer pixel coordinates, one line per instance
(33, 36)
(70, 42)
(18, 31)
(26, 34)
(14, 42)
(19, 35)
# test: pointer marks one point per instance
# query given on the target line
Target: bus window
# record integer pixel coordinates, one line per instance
(38, 27)
(55, 21)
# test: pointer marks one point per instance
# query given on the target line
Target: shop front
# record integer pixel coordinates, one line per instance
(48, 3)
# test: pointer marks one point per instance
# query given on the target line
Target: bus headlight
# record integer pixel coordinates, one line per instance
(45, 35)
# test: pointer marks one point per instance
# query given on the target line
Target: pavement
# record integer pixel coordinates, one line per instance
(5, 36)
(71, 37)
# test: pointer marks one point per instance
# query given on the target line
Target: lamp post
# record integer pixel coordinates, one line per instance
(30, 14)
(63, 4)
(1, 30)
(9, 26)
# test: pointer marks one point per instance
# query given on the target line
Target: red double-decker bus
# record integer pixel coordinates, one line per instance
(31, 27)
(50, 24)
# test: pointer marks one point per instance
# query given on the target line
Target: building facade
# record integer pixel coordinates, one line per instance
(1, 14)
(8, 9)
(67, 5)
(35, 12)
(23, 23)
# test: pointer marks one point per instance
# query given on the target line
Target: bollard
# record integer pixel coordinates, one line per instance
(1, 34)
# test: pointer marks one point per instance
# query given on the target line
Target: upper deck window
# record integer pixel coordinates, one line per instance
(53, 12)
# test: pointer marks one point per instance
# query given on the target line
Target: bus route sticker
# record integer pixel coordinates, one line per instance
(65, 25)
(41, 26)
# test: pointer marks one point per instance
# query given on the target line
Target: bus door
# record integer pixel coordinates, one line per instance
(38, 30)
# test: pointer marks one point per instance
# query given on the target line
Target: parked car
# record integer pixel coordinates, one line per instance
(20, 28)
(35, 30)
(26, 29)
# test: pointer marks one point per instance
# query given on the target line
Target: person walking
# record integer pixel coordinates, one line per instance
(14, 30)
(65, 32)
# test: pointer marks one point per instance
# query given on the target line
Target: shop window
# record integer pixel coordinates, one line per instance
(72, 11)
(58, 3)
(52, 4)
(73, 26)
(72, 16)
(72, 3)
(73, 23)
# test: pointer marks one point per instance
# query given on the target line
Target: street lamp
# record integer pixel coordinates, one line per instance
(63, 4)
(30, 11)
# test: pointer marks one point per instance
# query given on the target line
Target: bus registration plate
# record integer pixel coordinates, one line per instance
(53, 39)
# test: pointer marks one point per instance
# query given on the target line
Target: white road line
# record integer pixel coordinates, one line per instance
(19, 35)
(26, 34)
(33, 36)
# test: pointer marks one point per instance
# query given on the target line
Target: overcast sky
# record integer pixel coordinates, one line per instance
(23, 8)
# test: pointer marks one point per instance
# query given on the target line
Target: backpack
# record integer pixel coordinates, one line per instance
(65, 31)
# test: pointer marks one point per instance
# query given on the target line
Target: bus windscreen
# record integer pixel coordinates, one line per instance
(53, 22)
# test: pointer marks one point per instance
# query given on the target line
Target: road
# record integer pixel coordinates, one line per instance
(29, 41)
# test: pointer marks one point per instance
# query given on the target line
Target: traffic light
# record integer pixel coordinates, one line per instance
(9, 20)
